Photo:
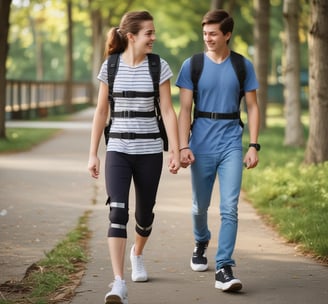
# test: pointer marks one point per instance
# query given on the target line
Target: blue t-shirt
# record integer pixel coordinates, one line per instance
(218, 91)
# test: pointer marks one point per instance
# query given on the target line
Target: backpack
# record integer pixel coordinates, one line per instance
(154, 70)
(196, 68)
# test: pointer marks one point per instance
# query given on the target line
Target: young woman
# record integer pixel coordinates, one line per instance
(138, 158)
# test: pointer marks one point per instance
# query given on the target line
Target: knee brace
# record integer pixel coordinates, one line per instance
(144, 225)
(118, 217)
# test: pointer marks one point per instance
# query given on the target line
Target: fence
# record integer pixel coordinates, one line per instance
(33, 99)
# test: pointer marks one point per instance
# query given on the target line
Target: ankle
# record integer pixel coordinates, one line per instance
(136, 252)
(118, 278)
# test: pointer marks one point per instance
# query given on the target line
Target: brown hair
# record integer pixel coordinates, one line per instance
(220, 17)
(116, 41)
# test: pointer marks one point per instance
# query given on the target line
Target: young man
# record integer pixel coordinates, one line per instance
(214, 147)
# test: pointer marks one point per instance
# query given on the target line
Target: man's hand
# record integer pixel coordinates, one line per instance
(186, 157)
(251, 158)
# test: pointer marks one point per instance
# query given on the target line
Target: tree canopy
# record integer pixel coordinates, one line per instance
(38, 41)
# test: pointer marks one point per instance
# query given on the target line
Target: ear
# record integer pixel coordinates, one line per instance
(228, 36)
(130, 37)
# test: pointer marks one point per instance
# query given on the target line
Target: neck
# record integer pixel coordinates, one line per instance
(132, 58)
(219, 56)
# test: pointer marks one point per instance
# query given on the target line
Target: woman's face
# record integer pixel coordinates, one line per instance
(145, 38)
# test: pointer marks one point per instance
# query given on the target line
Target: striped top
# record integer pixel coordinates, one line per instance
(134, 79)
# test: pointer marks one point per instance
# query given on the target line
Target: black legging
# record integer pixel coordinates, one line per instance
(146, 171)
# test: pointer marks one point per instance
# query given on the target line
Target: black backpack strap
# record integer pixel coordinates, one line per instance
(154, 70)
(238, 64)
(196, 68)
(112, 67)
(154, 63)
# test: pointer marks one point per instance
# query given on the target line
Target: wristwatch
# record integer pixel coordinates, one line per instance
(256, 146)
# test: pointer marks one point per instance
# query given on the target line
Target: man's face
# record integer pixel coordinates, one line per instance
(213, 37)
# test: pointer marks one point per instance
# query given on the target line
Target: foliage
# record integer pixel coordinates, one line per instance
(292, 196)
(178, 29)
(39, 27)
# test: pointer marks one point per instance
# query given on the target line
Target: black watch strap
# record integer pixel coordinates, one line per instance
(256, 146)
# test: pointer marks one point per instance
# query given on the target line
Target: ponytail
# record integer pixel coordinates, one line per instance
(115, 42)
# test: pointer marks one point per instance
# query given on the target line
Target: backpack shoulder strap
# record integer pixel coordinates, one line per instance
(112, 67)
(196, 68)
(154, 63)
(238, 64)
(154, 70)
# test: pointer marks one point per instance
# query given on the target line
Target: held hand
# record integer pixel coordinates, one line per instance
(251, 158)
(186, 158)
(174, 163)
(93, 166)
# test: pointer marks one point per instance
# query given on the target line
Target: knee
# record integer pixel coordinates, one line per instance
(196, 210)
(118, 217)
(230, 214)
(144, 224)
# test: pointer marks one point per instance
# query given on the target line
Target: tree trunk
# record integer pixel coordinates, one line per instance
(4, 29)
(261, 53)
(98, 45)
(294, 134)
(69, 58)
(222, 4)
(217, 4)
(317, 145)
(100, 21)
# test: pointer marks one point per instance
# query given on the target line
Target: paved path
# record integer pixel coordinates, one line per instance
(44, 191)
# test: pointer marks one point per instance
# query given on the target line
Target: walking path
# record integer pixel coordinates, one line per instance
(43, 192)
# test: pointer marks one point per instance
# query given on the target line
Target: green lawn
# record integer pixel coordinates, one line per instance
(291, 196)
(22, 139)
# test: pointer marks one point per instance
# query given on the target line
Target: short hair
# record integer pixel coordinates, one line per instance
(220, 17)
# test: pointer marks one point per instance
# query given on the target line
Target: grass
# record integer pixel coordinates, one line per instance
(54, 278)
(291, 196)
(23, 139)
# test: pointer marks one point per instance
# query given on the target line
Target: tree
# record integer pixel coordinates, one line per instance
(261, 53)
(294, 135)
(317, 145)
(69, 58)
(222, 4)
(4, 29)
(101, 21)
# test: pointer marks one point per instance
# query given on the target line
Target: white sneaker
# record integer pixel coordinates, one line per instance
(118, 294)
(139, 273)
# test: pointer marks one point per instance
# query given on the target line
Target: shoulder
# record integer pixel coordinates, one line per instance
(164, 68)
(156, 59)
(247, 62)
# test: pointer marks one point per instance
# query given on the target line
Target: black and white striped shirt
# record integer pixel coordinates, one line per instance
(135, 79)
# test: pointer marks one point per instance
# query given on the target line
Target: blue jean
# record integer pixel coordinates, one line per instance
(228, 165)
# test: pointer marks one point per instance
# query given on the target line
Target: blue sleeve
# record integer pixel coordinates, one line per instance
(184, 77)
(251, 82)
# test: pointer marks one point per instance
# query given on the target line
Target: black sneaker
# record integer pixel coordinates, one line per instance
(198, 260)
(225, 280)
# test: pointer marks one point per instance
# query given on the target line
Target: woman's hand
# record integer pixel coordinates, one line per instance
(93, 166)
(174, 163)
